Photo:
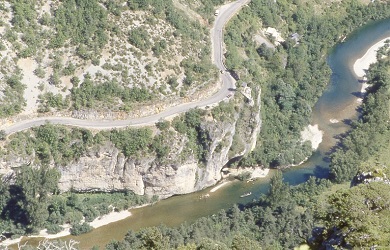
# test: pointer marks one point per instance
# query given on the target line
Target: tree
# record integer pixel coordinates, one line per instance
(240, 242)
(35, 185)
(152, 238)
(279, 191)
(4, 191)
(78, 229)
(3, 135)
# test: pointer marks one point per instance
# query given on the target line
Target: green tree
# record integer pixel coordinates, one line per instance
(34, 185)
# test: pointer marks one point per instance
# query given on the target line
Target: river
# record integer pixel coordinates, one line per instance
(332, 112)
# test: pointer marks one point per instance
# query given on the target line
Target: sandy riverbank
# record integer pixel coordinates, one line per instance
(98, 222)
(313, 134)
(256, 172)
(219, 186)
(362, 64)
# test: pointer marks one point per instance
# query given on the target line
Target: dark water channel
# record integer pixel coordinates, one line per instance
(333, 110)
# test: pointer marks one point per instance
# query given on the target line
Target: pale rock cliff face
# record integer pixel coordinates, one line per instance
(105, 168)
(211, 173)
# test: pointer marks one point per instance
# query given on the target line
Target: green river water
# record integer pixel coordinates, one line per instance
(339, 102)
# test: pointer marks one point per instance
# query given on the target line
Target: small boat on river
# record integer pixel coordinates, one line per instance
(245, 195)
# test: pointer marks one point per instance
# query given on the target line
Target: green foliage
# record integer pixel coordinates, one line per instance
(84, 22)
(78, 229)
(24, 201)
(159, 47)
(69, 69)
(49, 100)
(223, 112)
(140, 38)
(370, 134)
(244, 176)
(24, 14)
(53, 229)
(51, 143)
(90, 95)
(138, 4)
(198, 136)
(161, 144)
(163, 125)
(114, 7)
(292, 77)
(3, 135)
(197, 71)
(132, 141)
(12, 101)
(240, 242)
(40, 72)
(172, 81)
(358, 216)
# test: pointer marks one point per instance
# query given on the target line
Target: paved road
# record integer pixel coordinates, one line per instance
(227, 83)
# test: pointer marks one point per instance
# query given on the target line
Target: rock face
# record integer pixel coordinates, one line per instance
(105, 168)
(368, 177)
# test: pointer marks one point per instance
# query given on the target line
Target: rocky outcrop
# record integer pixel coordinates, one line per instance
(372, 176)
(105, 168)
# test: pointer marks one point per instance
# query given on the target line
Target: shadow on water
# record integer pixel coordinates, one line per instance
(348, 122)
(321, 171)
(358, 94)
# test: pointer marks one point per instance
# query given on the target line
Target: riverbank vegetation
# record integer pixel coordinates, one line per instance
(294, 74)
(279, 220)
(33, 202)
(369, 139)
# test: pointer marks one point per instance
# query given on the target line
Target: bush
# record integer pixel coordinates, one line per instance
(244, 176)
(53, 229)
(78, 229)
(163, 125)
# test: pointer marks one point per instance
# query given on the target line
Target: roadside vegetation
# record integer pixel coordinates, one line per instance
(205, 8)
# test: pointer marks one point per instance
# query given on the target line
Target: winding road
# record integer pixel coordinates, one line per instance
(226, 12)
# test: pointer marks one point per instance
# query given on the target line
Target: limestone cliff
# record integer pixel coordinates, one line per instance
(106, 168)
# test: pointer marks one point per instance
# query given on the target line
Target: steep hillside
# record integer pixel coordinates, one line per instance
(106, 56)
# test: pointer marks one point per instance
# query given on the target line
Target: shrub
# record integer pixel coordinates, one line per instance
(78, 229)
